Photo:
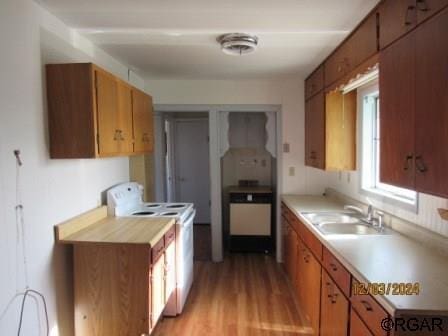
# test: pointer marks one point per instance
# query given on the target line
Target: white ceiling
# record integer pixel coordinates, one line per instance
(177, 38)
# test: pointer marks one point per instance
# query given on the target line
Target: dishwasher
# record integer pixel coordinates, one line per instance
(251, 221)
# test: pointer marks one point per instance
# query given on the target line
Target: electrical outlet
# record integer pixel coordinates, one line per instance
(286, 147)
(292, 171)
(348, 177)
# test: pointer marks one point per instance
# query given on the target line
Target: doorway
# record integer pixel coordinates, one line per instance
(188, 172)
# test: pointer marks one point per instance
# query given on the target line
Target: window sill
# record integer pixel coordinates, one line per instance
(392, 199)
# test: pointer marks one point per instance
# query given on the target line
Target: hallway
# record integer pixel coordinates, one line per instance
(247, 294)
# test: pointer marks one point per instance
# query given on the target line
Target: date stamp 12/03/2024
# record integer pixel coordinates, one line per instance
(383, 288)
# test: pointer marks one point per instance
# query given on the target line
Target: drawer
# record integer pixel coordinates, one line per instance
(170, 235)
(357, 326)
(370, 312)
(157, 250)
(338, 272)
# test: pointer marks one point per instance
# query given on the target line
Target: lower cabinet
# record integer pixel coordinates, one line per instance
(122, 289)
(334, 309)
(158, 289)
(310, 272)
(357, 326)
(290, 256)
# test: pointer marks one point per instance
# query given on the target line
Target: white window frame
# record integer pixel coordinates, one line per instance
(370, 184)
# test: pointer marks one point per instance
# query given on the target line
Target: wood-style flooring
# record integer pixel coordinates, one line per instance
(247, 294)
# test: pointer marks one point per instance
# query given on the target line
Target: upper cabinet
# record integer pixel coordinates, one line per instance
(330, 136)
(142, 112)
(92, 113)
(414, 109)
(357, 48)
(315, 82)
(397, 17)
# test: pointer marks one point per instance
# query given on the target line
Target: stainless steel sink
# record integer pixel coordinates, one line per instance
(354, 229)
(319, 218)
(342, 223)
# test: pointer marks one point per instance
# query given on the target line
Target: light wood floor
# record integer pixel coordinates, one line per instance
(247, 294)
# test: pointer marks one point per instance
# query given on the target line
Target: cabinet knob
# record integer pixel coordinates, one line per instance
(408, 160)
(420, 164)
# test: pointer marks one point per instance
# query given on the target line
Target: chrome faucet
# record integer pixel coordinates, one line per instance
(368, 217)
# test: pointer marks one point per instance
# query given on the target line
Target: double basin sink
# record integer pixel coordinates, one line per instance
(330, 223)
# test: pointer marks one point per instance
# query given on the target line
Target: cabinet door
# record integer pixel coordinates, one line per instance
(291, 266)
(357, 326)
(337, 65)
(432, 106)
(397, 111)
(107, 113)
(170, 270)
(125, 142)
(397, 17)
(334, 309)
(142, 111)
(315, 82)
(158, 289)
(315, 131)
(311, 290)
(363, 43)
(340, 131)
(427, 8)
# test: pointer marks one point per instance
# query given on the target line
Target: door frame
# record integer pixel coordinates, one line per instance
(215, 133)
(172, 187)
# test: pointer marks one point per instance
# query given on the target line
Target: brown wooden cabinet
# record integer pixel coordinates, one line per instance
(397, 113)
(414, 109)
(310, 285)
(334, 309)
(291, 253)
(315, 82)
(315, 131)
(396, 18)
(357, 326)
(142, 111)
(92, 113)
(358, 47)
(431, 155)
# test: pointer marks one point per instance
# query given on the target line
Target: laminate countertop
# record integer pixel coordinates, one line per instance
(122, 230)
(391, 258)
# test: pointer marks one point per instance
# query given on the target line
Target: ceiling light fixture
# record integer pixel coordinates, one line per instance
(238, 44)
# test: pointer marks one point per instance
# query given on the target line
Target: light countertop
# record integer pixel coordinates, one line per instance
(388, 258)
(123, 230)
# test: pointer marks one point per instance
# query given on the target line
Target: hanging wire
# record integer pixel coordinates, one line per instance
(21, 241)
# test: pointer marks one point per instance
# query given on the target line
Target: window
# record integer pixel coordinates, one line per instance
(369, 100)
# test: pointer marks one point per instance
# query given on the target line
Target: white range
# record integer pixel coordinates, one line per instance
(126, 200)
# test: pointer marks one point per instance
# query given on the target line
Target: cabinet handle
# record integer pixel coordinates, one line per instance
(334, 298)
(367, 305)
(422, 5)
(408, 21)
(421, 167)
(408, 160)
(334, 268)
(117, 135)
(121, 135)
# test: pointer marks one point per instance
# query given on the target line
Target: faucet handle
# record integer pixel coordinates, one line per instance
(380, 215)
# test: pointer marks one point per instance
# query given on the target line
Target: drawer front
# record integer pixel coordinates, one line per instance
(315, 82)
(157, 250)
(338, 272)
(170, 235)
(370, 312)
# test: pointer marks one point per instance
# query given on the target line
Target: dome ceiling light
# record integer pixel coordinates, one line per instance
(238, 44)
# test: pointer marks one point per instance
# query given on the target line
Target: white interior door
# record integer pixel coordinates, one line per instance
(192, 165)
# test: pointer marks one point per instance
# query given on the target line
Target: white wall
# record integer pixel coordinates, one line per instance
(285, 92)
(52, 190)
